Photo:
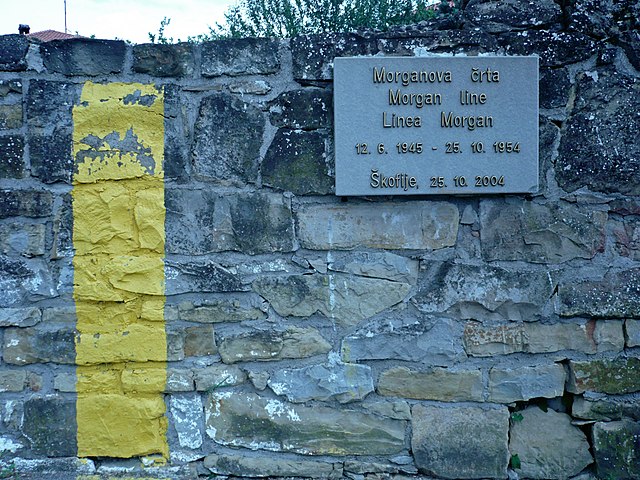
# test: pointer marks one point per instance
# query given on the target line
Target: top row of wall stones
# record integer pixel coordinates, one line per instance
(559, 38)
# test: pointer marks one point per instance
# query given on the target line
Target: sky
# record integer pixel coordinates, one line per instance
(124, 19)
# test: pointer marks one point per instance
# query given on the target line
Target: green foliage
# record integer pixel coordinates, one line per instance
(288, 18)
(515, 461)
(516, 417)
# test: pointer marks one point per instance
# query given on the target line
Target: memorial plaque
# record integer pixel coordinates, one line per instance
(436, 125)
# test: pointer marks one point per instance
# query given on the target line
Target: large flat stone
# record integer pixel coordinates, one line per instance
(554, 48)
(306, 108)
(483, 292)
(442, 384)
(13, 52)
(497, 17)
(24, 281)
(344, 382)
(424, 340)
(599, 148)
(25, 203)
(460, 442)
(620, 375)
(347, 299)
(50, 426)
(548, 456)
(227, 139)
(599, 407)
(187, 415)
(84, 56)
(508, 385)
(527, 231)
(240, 56)
(384, 265)
(259, 423)
(207, 276)
(164, 60)
(419, 225)
(244, 465)
(617, 450)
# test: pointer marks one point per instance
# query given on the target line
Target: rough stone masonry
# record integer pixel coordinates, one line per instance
(182, 295)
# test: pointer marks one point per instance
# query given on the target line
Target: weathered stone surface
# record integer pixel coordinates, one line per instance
(554, 87)
(306, 108)
(240, 56)
(554, 48)
(50, 426)
(200, 221)
(252, 466)
(594, 406)
(25, 239)
(313, 54)
(545, 456)
(12, 380)
(41, 344)
(179, 380)
(19, 317)
(25, 203)
(600, 148)
(200, 277)
(423, 340)
(627, 238)
(273, 345)
(384, 265)
(471, 42)
(616, 449)
(164, 60)
(617, 295)
(602, 19)
(199, 341)
(621, 375)
(176, 150)
(227, 140)
(297, 161)
(347, 299)
(345, 382)
(65, 382)
(83, 56)
(51, 156)
(50, 103)
(11, 156)
(484, 341)
(187, 415)
(218, 376)
(498, 17)
(632, 333)
(254, 87)
(554, 233)
(440, 449)
(13, 53)
(10, 87)
(508, 385)
(24, 281)
(440, 384)
(398, 409)
(216, 311)
(481, 291)
(10, 116)
(63, 229)
(260, 423)
(426, 225)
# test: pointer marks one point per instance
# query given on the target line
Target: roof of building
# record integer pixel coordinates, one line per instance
(48, 35)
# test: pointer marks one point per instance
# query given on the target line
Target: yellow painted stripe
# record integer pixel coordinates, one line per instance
(119, 239)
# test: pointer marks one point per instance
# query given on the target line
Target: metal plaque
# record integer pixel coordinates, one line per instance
(436, 125)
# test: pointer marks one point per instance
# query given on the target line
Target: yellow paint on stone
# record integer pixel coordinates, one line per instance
(119, 239)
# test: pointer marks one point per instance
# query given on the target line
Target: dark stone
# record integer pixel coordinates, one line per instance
(307, 108)
(51, 104)
(297, 162)
(441, 41)
(262, 223)
(51, 156)
(554, 87)
(25, 203)
(498, 17)
(200, 277)
(540, 233)
(227, 140)
(199, 341)
(616, 448)
(164, 60)
(617, 376)
(617, 295)
(84, 56)
(240, 56)
(10, 116)
(630, 43)
(63, 229)
(604, 18)
(313, 54)
(600, 148)
(43, 343)
(11, 157)
(9, 87)
(549, 137)
(554, 48)
(176, 150)
(605, 408)
(50, 425)
(13, 53)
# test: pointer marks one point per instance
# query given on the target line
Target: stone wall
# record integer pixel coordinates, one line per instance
(253, 324)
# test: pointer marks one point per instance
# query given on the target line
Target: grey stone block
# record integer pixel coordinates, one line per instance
(605, 408)
(240, 56)
(439, 447)
(41, 344)
(51, 156)
(10, 116)
(306, 108)
(554, 48)
(161, 60)
(84, 56)
(508, 385)
(616, 376)
(472, 42)
(498, 17)
(13, 53)
(50, 426)
(11, 156)
(616, 449)
(50, 104)
(187, 414)
(25, 203)
(260, 466)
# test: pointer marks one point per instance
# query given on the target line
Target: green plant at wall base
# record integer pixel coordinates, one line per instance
(222, 383)
(514, 462)
(7, 470)
(516, 417)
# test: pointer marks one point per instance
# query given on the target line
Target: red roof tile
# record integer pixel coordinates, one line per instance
(48, 35)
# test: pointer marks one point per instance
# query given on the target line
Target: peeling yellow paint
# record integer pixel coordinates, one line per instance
(119, 239)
